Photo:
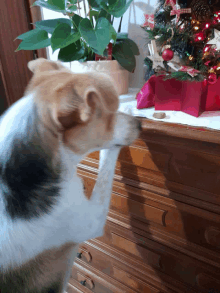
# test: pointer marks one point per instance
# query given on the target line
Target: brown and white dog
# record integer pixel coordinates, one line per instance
(44, 213)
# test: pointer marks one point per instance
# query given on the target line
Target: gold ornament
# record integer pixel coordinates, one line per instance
(211, 70)
(154, 56)
(216, 40)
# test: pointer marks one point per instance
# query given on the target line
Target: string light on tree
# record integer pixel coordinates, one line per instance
(195, 38)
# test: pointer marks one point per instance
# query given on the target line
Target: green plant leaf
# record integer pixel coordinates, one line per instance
(45, 4)
(63, 36)
(88, 32)
(72, 52)
(105, 14)
(76, 20)
(94, 13)
(124, 55)
(97, 38)
(104, 31)
(30, 34)
(37, 39)
(113, 33)
(72, 8)
(73, 1)
(61, 4)
(122, 36)
(118, 8)
(95, 4)
(50, 24)
(132, 45)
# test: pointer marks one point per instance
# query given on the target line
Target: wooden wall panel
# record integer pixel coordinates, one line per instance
(16, 19)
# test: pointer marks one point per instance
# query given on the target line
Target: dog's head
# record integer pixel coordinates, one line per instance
(83, 107)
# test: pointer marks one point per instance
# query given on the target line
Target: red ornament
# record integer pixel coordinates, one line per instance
(199, 37)
(167, 54)
(212, 78)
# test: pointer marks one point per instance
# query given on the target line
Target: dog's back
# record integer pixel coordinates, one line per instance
(29, 190)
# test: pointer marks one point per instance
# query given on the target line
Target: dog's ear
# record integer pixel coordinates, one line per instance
(42, 64)
(75, 109)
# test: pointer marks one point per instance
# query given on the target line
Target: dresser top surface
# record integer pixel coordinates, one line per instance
(176, 124)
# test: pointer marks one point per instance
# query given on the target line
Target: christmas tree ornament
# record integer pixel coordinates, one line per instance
(211, 70)
(212, 78)
(217, 69)
(216, 40)
(154, 56)
(167, 54)
(201, 9)
(199, 37)
(176, 10)
(169, 3)
(149, 21)
(191, 71)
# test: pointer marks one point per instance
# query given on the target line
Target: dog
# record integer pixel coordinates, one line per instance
(44, 213)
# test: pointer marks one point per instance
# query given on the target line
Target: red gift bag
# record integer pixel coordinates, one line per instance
(213, 97)
(168, 94)
(194, 95)
(145, 98)
(173, 95)
(185, 96)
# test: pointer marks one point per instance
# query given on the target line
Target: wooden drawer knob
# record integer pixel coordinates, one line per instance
(85, 281)
(85, 253)
(212, 236)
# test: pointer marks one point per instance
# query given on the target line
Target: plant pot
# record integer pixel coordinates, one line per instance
(112, 68)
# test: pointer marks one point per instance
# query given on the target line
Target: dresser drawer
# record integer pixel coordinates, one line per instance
(174, 168)
(162, 259)
(194, 227)
(89, 280)
(124, 273)
(176, 218)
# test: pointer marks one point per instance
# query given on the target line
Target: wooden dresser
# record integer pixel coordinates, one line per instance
(163, 228)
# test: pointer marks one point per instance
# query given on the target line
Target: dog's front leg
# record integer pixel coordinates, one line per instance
(101, 194)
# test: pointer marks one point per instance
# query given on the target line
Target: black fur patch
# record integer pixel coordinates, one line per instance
(14, 283)
(29, 183)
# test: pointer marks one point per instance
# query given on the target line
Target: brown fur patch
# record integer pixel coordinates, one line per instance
(75, 105)
(47, 270)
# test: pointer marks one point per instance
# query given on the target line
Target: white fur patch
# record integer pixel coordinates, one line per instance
(73, 218)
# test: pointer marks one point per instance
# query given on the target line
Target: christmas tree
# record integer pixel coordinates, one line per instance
(185, 40)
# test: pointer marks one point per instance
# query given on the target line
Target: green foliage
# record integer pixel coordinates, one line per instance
(50, 24)
(114, 7)
(183, 76)
(55, 5)
(124, 52)
(63, 36)
(72, 52)
(97, 38)
(33, 40)
(79, 38)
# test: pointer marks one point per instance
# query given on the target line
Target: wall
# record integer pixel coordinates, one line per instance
(132, 20)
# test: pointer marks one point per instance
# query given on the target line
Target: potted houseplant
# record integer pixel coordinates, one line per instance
(86, 39)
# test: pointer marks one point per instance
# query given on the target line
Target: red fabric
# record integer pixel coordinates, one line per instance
(172, 95)
(213, 97)
(145, 98)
